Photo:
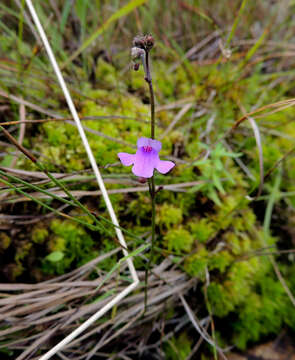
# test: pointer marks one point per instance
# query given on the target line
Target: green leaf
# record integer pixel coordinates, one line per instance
(217, 183)
(197, 188)
(200, 162)
(6, 160)
(214, 197)
(55, 256)
(65, 13)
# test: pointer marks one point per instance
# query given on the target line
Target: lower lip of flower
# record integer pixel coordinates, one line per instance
(147, 148)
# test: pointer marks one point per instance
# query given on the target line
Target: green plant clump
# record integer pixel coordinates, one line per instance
(68, 244)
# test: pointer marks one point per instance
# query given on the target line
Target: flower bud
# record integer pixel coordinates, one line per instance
(149, 42)
(136, 54)
(145, 42)
(138, 42)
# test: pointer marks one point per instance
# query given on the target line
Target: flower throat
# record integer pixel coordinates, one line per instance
(147, 148)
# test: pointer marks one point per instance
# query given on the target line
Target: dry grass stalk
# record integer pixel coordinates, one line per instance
(28, 311)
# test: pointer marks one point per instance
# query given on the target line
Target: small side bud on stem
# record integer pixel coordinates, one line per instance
(137, 56)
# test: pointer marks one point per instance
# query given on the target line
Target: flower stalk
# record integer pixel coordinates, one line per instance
(148, 79)
(146, 43)
(146, 158)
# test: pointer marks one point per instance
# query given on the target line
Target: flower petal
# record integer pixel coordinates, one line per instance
(143, 141)
(164, 166)
(155, 144)
(145, 163)
(126, 159)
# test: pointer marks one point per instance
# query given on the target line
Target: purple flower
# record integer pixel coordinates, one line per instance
(146, 158)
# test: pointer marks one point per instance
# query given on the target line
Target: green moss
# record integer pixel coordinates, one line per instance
(178, 348)
(22, 251)
(239, 243)
(139, 209)
(196, 264)
(169, 215)
(5, 241)
(16, 270)
(219, 299)
(263, 313)
(39, 235)
(73, 242)
(202, 229)
(178, 240)
(106, 74)
(220, 261)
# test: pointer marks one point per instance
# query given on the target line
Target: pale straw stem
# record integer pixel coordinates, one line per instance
(100, 182)
(83, 136)
(88, 322)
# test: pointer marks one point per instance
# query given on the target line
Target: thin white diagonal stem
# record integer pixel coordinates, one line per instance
(82, 134)
(88, 322)
(100, 182)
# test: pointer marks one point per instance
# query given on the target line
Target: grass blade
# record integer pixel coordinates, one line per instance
(125, 10)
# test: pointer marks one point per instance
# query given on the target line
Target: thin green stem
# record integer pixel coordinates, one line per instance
(94, 217)
(236, 22)
(5, 175)
(148, 79)
(20, 27)
(152, 95)
(233, 29)
(57, 212)
(52, 178)
(153, 220)
(153, 225)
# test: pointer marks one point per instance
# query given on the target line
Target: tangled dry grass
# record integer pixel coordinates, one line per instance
(37, 315)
